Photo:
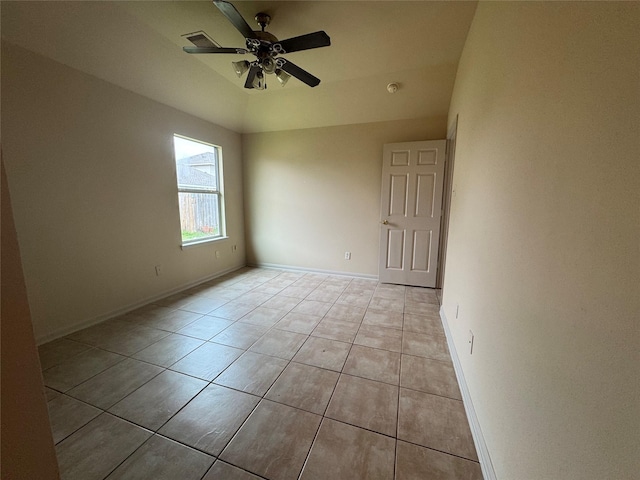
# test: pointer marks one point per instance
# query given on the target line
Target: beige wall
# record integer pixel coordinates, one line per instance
(311, 195)
(543, 254)
(91, 174)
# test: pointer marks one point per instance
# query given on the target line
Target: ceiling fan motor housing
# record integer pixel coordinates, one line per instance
(266, 36)
(263, 19)
(262, 48)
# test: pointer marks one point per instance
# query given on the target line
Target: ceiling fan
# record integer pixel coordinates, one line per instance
(266, 48)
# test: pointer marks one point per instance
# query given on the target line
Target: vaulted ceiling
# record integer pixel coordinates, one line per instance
(138, 46)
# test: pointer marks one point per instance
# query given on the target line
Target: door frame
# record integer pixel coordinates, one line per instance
(447, 190)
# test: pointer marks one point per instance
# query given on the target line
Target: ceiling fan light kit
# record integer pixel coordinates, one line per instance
(282, 76)
(240, 67)
(266, 48)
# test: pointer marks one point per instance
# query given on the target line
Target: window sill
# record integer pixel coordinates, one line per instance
(202, 242)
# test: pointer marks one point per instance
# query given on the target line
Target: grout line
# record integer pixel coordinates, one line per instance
(315, 437)
(313, 442)
(395, 455)
(322, 420)
(234, 466)
(128, 456)
(437, 450)
(362, 428)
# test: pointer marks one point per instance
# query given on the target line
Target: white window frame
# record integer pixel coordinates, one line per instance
(199, 189)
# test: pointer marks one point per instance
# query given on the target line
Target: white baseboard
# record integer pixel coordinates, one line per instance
(481, 447)
(312, 270)
(129, 308)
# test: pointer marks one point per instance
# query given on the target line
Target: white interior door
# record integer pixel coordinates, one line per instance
(412, 182)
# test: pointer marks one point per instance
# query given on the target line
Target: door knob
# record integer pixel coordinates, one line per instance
(385, 222)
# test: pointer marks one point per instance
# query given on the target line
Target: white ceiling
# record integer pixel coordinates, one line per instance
(137, 45)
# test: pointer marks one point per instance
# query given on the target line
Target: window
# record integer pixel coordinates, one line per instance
(198, 171)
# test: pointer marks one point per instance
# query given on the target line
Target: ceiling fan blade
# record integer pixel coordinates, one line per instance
(229, 11)
(299, 73)
(253, 71)
(240, 51)
(305, 42)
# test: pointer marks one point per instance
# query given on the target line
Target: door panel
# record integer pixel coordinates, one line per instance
(421, 246)
(398, 197)
(395, 250)
(412, 182)
(400, 158)
(428, 156)
(425, 191)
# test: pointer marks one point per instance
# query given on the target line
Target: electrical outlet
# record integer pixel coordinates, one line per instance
(158, 270)
(217, 254)
(347, 255)
(470, 342)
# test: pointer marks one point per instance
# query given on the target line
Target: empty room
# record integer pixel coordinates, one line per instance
(320, 240)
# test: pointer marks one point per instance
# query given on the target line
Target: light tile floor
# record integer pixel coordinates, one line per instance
(263, 374)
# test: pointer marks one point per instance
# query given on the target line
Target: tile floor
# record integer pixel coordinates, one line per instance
(263, 374)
